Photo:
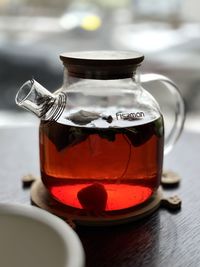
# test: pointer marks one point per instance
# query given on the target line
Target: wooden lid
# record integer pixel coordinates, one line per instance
(102, 64)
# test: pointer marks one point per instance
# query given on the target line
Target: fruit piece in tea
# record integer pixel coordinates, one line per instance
(93, 198)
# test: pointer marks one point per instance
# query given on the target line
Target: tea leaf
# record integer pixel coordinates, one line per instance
(109, 118)
(76, 135)
(139, 135)
(83, 117)
(62, 136)
(159, 127)
(107, 134)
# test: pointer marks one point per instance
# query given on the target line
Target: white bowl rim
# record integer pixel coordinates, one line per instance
(73, 245)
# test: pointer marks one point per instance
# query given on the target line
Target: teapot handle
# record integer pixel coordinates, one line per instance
(179, 107)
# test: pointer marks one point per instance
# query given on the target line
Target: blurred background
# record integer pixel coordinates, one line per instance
(33, 33)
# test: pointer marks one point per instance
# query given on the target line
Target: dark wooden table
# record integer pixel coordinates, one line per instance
(163, 239)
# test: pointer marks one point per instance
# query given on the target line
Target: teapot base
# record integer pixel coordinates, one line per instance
(41, 198)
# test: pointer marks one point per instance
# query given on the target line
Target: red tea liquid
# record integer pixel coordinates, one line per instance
(123, 164)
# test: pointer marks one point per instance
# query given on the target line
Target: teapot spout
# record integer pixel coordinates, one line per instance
(33, 97)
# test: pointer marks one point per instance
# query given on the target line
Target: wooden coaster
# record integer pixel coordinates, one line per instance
(41, 198)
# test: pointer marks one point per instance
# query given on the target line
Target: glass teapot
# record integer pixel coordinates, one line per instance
(102, 134)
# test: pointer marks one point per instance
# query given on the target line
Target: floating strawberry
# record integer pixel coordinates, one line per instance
(93, 198)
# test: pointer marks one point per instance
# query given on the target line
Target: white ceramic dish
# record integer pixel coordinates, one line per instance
(31, 237)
